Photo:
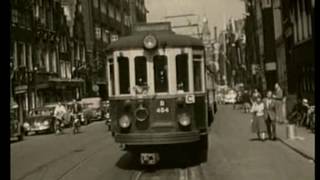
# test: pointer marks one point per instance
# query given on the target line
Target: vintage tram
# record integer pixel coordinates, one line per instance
(157, 92)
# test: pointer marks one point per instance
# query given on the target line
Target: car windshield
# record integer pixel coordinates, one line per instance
(42, 112)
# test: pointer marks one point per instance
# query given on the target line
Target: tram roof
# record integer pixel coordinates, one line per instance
(164, 38)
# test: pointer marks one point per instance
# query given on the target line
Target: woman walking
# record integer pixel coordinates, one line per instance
(259, 125)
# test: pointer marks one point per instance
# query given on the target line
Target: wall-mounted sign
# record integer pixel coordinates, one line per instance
(271, 66)
(114, 37)
(95, 88)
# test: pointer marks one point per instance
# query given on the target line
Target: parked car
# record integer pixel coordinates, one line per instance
(40, 120)
(230, 97)
(92, 109)
(16, 125)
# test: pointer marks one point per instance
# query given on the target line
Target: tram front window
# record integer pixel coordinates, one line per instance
(160, 73)
(124, 75)
(182, 73)
(141, 70)
(197, 73)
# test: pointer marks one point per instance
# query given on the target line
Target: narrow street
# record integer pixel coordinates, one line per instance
(233, 154)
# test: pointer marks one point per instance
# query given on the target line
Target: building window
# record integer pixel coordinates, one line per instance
(111, 11)
(14, 16)
(182, 67)
(118, 15)
(54, 61)
(124, 78)
(47, 61)
(140, 64)
(36, 11)
(62, 69)
(96, 3)
(105, 36)
(29, 57)
(68, 70)
(21, 55)
(98, 32)
(160, 66)
(103, 7)
(197, 73)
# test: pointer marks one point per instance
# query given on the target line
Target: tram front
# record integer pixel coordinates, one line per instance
(156, 86)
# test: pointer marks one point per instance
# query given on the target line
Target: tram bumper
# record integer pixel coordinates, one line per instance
(157, 138)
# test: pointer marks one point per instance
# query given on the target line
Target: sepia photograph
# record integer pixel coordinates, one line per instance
(162, 89)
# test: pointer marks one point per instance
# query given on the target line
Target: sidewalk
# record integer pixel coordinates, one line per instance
(303, 143)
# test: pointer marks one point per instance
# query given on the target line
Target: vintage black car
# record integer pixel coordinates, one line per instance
(40, 120)
(92, 109)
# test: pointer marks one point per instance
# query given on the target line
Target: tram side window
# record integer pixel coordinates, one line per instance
(111, 76)
(160, 73)
(124, 79)
(182, 72)
(197, 73)
(140, 64)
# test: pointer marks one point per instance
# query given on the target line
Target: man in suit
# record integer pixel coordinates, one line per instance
(278, 97)
(270, 115)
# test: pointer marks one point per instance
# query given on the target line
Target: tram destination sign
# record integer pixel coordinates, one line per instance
(162, 26)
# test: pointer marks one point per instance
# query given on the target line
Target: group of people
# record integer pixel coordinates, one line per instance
(303, 114)
(267, 111)
(60, 111)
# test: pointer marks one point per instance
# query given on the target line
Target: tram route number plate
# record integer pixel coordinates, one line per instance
(163, 108)
(149, 158)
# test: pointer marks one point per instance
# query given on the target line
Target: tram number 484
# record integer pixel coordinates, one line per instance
(162, 108)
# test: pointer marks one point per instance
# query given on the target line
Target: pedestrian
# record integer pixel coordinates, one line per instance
(258, 122)
(255, 94)
(278, 97)
(59, 111)
(246, 101)
(270, 116)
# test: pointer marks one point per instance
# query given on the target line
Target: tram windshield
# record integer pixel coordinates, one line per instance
(182, 73)
(141, 70)
(124, 78)
(160, 64)
(197, 72)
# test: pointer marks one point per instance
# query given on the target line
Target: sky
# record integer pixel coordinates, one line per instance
(215, 11)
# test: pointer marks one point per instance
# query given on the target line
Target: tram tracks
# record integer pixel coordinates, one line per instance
(81, 152)
(189, 173)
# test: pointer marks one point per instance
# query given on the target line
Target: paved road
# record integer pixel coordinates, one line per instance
(94, 155)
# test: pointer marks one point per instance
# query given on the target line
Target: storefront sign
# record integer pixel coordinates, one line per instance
(271, 66)
(114, 37)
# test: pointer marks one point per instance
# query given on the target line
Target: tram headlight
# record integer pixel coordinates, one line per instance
(141, 113)
(150, 42)
(184, 120)
(124, 121)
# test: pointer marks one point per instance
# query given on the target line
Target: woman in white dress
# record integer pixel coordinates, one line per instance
(259, 125)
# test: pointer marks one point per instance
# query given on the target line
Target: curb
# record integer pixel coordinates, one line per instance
(305, 155)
